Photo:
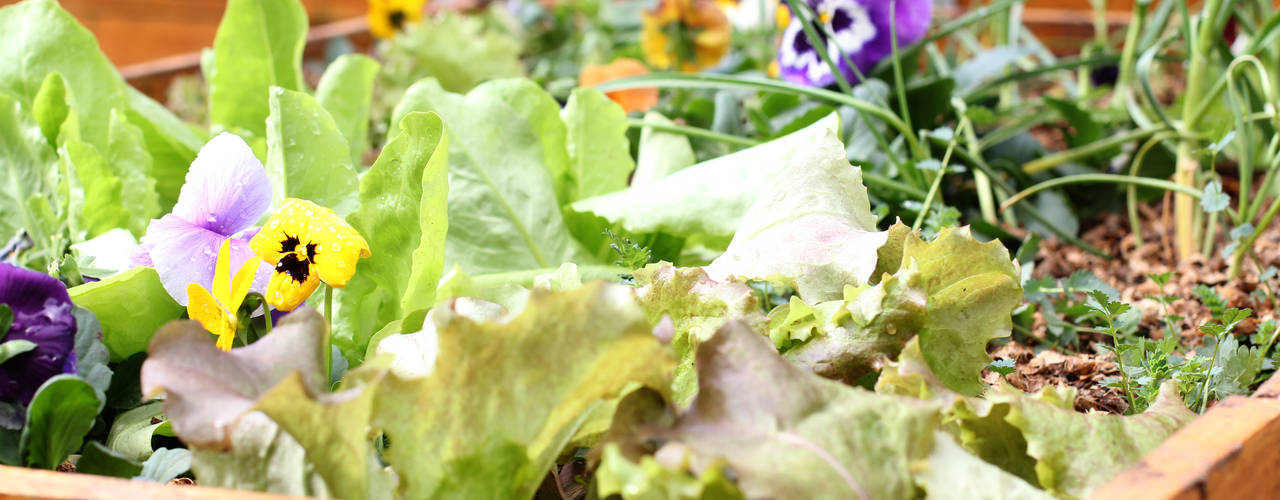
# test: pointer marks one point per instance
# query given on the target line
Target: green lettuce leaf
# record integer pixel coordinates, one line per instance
(649, 480)
(475, 54)
(403, 216)
(345, 91)
(26, 169)
(599, 161)
(952, 473)
(812, 228)
(696, 306)
(130, 306)
(307, 155)
(172, 145)
(660, 154)
(258, 46)
(505, 138)
(711, 197)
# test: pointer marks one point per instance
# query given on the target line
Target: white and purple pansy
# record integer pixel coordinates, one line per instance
(853, 31)
(226, 192)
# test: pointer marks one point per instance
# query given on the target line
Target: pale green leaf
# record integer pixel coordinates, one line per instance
(952, 473)
(503, 213)
(307, 155)
(132, 430)
(25, 167)
(346, 91)
(660, 153)
(258, 46)
(130, 306)
(599, 160)
(709, 198)
(172, 145)
(60, 414)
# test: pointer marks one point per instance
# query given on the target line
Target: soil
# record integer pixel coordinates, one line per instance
(1128, 271)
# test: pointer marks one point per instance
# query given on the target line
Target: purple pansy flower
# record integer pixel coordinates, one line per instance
(861, 30)
(226, 192)
(41, 315)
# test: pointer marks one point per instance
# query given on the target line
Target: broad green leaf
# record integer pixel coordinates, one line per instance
(648, 480)
(171, 143)
(346, 91)
(103, 461)
(660, 153)
(787, 433)
(165, 465)
(811, 229)
(550, 364)
(131, 433)
(25, 167)
(258, 46)
(972, 289)
(709, 198)
(403, 215)
(259, 456)
(503, 214)
(599, 160)
(307, 155)
(130, 162)
(697, 306)
(103, 199)
(49, 108)
(61, 413)
(131, 306)
(42, 38)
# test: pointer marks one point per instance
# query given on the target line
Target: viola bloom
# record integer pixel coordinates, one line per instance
(226, 192)
(631, 99)
(307, 244)
(853, 31)
(386, 17)
(41, 315)
(217, 310)
(686, 34)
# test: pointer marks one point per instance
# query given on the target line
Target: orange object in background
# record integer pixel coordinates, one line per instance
(630, 100)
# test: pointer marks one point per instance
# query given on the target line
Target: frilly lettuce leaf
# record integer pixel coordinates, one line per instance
(697, 306)
(529, 381)
(812, 228)
(952, 473)
(786, 433)
(649, 480)
(1039, 437)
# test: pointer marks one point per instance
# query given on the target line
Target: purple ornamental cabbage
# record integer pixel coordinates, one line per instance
(226, 192)
(861, 34)
(41, 315)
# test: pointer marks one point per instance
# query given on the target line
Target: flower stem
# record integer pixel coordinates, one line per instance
(1208, 375)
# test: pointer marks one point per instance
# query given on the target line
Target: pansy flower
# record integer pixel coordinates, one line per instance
(853, 31)
(226, 192)
(686, 34)
(217, 310)
(631, 99)
(43, 327)
(386, 17)
(307, 244)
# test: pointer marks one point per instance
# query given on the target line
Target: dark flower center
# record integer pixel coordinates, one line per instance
(397, 18)
(297, 269)
(289, 244)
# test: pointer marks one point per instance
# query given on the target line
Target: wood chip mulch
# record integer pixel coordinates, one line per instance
(1128, 272)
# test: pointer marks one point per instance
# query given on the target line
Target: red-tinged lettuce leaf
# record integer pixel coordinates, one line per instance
(697, 306)
(812, 228)
(786, 433)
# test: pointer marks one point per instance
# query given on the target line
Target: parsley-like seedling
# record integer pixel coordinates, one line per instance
(1002, 366)
(631, 255)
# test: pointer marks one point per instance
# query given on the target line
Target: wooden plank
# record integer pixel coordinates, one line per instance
(1230, 452)
(32, 484)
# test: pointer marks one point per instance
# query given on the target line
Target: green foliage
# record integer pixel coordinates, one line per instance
(60, 415)
(131, 306)
(307, 155)
(258, 46)
(403, 216)
(346, 91)
(631, 255)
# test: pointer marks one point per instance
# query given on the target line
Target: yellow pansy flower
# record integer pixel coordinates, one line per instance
(386, 17)
(217, 311)
(307, 244)
(686, 34)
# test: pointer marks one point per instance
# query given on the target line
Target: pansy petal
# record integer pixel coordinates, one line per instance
(25, 291)
(287, 222)
(243, 280)
(184, 253)
(226, 189)
(285, 294)
(222, 275)
(203, 307)
(41, 314)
